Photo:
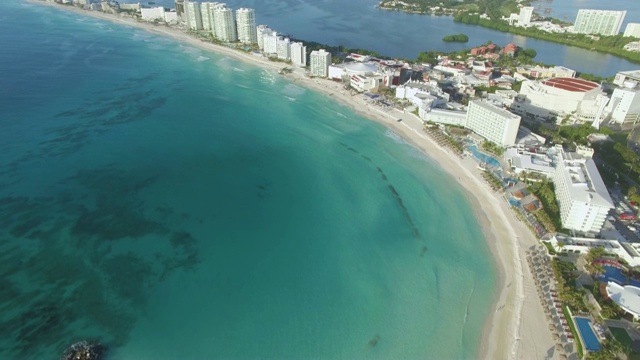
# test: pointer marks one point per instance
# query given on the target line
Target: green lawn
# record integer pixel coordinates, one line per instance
(623, 337)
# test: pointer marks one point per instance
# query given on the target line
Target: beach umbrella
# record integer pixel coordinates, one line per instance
(559, 347)
(556, 337)
(563, 356)
(551, 326)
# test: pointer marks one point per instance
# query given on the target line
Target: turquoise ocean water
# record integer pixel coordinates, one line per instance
(174, 203)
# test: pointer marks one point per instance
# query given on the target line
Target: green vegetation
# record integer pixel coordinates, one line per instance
(492, 148)
(544, 191)
(550, 248)
(610, 348)
(621, 159)
(493, 181)
(606, 44)
(461, 38)
(625, 340)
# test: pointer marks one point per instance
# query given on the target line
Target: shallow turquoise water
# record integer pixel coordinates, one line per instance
(173, 203)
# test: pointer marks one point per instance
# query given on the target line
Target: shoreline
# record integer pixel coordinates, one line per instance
(504, 333)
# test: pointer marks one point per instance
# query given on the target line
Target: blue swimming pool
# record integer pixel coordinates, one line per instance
(612, 273)
(591, 342)
(483, 157)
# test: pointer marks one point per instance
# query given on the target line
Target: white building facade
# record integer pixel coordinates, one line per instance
(624, 105)
(225, 24)
(298, 54)
(558, 97)
(246, 26)
(582, 197)
(261, 31)
(284, 49)
(525, 15)
(151, 14)
(600, 22)
(633, 30)
(319, 63)
(493, 123)
(193, 15)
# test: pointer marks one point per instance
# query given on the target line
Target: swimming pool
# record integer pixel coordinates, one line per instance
(591, 342)
(483, 157)
(612, 273)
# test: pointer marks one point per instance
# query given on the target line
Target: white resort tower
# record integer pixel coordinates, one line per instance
(581, 194)
(193, 15)
(493, 123)
(246, 26)
(298, 54)
(224, 24)
(320, 61)
(601, 22)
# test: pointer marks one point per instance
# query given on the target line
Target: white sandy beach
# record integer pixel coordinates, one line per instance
(516, 327)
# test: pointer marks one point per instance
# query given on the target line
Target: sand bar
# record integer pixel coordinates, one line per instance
(516, 327)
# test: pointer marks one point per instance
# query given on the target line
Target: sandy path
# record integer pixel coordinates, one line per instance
(516, 327)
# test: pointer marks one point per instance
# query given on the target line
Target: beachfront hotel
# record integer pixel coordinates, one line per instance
(206, 9)
(582, 197)
(225, 24)
(492, 123)
(193, 15)
(599, 22)
(261, 31)
(246, 26)
(284, 49)
(298, 54)
(320, 61)
(270, 42)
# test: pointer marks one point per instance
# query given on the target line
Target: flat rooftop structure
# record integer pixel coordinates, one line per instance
(585, 182)
(495, 109)
(572, 84)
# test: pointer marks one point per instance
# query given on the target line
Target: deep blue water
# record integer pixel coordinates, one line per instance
(174, 203)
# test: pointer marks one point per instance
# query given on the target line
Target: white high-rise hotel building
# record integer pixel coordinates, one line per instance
(193, 15)
(246, 26)
(525, 15)
(492, 123)
(601, 22)
(581, 194)
(298, 54)
(320, 61)
(224, 24)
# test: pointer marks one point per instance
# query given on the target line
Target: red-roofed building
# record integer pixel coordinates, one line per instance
(510, 49)
(560, 96)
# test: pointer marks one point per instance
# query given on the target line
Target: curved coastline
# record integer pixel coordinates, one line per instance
(504, 335)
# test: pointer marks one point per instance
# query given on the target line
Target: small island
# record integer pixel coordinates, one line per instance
(461, 38)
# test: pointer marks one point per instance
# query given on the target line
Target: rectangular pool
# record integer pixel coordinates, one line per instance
(591, 342)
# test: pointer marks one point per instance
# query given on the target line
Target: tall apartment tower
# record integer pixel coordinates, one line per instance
(193, 14)
(225, 24)
(179, 5)
(320, 61)
(525, 15)
(632, 29)
(284, 49)
(246, 26)
(270, 42)
(206, 8)
(493, 123)
(298, 54)
(261, 30)
(600, 22)
(583, 199)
